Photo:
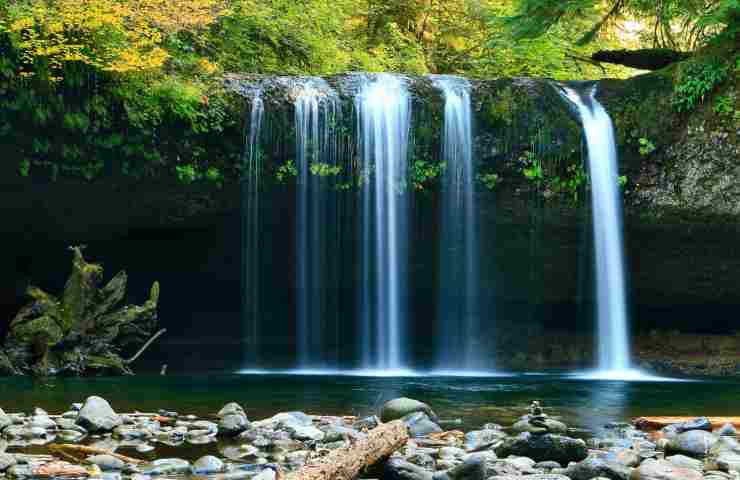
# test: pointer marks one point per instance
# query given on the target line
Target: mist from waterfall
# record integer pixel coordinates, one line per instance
(250, 187)
(458, 312)
(316, 109)
(383, 107)
(612, 334)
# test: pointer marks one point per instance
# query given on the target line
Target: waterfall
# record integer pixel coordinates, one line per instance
(459, 332)
(316, 109)
(612, 334)
(383, 106)
(250, 186)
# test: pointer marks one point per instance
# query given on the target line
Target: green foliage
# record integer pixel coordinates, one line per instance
(489, 180)
(532, 168)
(622, 181)
(187, 174)
(724, 105)
(288, 169)
(424, 173)
(646, 146)
(696, 79)
(214, 175)
(190, 173)
(24, 168)
(677, 24)
(324, 169)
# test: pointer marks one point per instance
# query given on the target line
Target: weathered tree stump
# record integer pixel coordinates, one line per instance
(84, 329)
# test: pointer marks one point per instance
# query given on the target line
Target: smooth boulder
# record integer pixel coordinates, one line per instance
(652, 469)
(98, 416)
(401, 407)
(208, 465)
(540, 448)
(107, 463)
(420, 425)
(233, 424)
(593, 467)
(694, 443)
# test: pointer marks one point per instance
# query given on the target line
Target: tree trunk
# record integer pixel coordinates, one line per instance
(348, 462)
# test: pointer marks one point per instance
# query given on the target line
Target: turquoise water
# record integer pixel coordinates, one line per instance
(583, 404)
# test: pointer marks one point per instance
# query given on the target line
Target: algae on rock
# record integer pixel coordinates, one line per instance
(82, 331)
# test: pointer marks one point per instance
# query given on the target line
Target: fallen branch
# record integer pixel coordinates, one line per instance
(67, 449)
(348, 462)
(145, 346)
(643, 59)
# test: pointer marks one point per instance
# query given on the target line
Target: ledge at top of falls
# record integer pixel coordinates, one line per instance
(280, 89)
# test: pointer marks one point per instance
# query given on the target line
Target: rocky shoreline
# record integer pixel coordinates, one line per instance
(92, 441)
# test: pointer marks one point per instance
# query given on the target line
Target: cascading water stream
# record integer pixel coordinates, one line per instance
(316, 110)
(459, 330)
(383, 106)
(612, 335)
(250, 185)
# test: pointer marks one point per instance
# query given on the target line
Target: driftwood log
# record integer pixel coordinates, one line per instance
(348, 462)
(656, 423)
(83, 451)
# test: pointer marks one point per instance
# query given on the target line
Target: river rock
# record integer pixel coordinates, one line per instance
(595, 466)
(6, 461)
(550, 425)
(539, 448)
(686, 462)
(208, 465)
(401, 407)
(538, 476)
(482, 439)
(420, 425)
(5, 420)
(70, 436)
(144, 448)
(724, 455)
(367, 423)
(398, 469)
(69, 424)
(266, 474)
(335, 433)
(726, 430)
(42, 421)
(424, 460)
(232, 408)
(97, 415)
(165, 466)
(233, 424)
(623, 456)
(107, 462)
(473, 468)
(303, 433)
(204, 425)
(694, 443)
(662, 470)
